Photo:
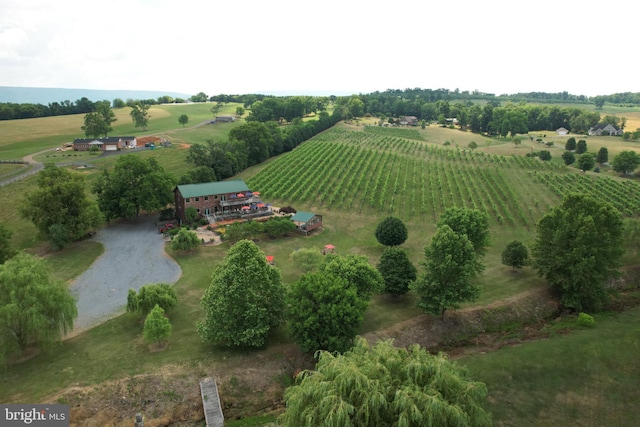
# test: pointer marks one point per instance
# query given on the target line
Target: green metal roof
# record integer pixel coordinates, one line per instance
(208, 188)
(302, 216)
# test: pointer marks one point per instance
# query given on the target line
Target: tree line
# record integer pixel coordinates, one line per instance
(249, 145)
(11, 110)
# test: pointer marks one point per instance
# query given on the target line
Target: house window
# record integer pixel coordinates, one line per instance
(198, 210)
(197, 199)
(186, 200)
(223, 198)
(215, 197)
(206, 197)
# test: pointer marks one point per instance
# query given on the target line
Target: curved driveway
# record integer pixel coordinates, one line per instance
(133, 257)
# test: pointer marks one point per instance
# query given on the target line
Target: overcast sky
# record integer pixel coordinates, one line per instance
(345, 46)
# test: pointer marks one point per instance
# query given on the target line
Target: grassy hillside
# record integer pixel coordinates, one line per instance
(354, 176)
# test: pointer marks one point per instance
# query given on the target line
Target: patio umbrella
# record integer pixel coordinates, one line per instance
(240, 195)
(269, 258)
(256, 193)
(329, 247)
(260, 205)
(245, 208)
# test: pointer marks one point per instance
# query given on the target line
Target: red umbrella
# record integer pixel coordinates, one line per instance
(329, 247)
(256, 193)
(240, 195)
(260, 205)
(245, 208)
(269, 258)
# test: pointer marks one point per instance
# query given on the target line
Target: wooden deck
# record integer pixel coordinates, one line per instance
(211, 403)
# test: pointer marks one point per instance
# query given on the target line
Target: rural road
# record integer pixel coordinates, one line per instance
(133, 257)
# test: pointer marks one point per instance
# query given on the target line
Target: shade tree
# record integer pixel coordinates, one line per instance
(185, 240)
(385, 385)
(578, 248)
(449, 267)
(59, 206)
(148, 296)
(473, 223)
(135, 184)
(397, 271)
(244, 301)
(391, 232)
(36, 308)
(626, 162)
(157, 327)
(515, 255)
(323, 312)
(357, 271)
(586, 161)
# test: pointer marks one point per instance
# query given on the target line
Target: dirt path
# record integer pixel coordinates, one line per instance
(134, 256)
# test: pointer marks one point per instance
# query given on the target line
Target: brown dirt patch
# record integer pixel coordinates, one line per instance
(148, 139)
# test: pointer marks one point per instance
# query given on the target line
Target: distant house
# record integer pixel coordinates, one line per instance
(409, 121)
(562, 131)
(605, 129)
(307, 221)
(112, 143)
(224, 119)
(212, 197)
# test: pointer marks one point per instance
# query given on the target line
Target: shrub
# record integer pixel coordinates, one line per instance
(149, 296)
(585, 320)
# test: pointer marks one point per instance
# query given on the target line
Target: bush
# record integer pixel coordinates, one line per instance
(585, 320)
(149, 296)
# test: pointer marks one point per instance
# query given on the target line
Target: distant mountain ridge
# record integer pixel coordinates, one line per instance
(46, 95)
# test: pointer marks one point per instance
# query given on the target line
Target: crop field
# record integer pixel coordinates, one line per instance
(372, 173)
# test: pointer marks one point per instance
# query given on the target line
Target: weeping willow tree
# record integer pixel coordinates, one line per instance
(383, 385)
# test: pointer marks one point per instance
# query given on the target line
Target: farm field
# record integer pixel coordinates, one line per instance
(354, 176)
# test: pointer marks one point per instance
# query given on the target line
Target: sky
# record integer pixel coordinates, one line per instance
(329, 47)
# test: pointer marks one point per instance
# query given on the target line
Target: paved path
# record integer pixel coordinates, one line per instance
(134, 256)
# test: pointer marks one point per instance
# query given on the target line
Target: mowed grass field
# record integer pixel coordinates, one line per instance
(416, 176)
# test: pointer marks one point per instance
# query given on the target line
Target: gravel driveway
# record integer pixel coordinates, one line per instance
(133, 257)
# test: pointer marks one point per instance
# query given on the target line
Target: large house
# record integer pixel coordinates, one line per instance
(605, 129)
(111, 143)
(211, 198)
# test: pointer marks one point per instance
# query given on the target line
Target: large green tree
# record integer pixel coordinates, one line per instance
(324, 312)
(515, 255)
(98, 123)
(603, 155)
(245, 299)
(391, 231)
(59, 206)
(473, 223)
(384, 385)
(183, 119)
(257, 139)
(449, 268)
(140, 115)
(626, 162)
(397, 270)
(36, 308)
(586, 161)
(577, 248)
(357, 271)
(134, 185)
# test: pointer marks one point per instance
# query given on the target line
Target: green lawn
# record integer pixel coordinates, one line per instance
(587, 378)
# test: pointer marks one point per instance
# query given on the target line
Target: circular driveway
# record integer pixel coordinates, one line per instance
(133, 256)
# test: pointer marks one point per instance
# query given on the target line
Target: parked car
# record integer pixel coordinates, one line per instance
(166, 228)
